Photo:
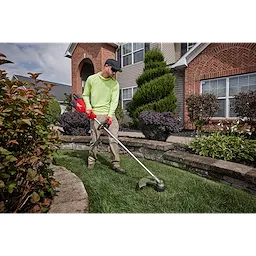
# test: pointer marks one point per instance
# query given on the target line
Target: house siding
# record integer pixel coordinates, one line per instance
(218, 60)
(179, 92)
(168, 50)
(129, 75)
(131, 72)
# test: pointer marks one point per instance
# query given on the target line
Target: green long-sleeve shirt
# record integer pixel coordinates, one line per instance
(101, 94)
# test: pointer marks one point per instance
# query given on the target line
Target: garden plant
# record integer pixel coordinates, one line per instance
(27, 145)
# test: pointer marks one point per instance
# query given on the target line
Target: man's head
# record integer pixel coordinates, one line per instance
(113, 65)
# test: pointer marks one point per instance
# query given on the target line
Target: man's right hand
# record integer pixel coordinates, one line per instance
(90, 114)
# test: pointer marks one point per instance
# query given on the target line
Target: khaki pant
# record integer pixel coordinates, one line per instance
(114, 148)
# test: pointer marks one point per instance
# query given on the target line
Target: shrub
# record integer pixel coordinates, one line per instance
(201, 108)
(236, 148)
(245, 105)
(53, 112)
(156, 87)
(27, 146)
(75, 123)
(119, 114)
(67, 101)
(158, 126)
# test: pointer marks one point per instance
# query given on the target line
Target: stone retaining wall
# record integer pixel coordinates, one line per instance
(233, 174)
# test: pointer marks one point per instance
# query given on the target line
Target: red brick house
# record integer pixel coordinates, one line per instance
(220, 68)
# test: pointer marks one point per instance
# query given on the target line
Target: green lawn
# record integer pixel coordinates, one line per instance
(110, 192)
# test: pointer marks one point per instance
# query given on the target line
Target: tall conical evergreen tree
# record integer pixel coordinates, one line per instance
(155, 87)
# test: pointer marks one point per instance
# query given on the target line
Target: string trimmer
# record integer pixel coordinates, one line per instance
(152, 180)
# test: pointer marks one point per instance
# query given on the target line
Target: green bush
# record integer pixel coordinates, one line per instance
(230, 148)
(27, 146)
(67, 101)
(156, 88)
(119, 113)
(53, 112)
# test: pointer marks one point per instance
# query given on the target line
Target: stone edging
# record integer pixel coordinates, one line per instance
(71, 195)
(233, 174)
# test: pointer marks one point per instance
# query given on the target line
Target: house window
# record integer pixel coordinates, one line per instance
(190, 45)
(126, 95)
(226, 88)
(132, 53)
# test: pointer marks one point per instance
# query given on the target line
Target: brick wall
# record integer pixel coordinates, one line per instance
(218, 60)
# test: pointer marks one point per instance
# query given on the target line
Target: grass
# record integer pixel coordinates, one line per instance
(110, 192)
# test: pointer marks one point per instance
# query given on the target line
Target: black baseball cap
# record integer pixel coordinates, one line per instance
(114, 64)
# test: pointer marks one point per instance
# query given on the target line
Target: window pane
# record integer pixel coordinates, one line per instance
(134, 90)
(127, 48)
(213, 87)
(221, 88)
(127, 93)
(243, 83)
(252, 79)
(137, 46)
(205, 87)
(231, 108)
(233, 86)
(252, 87)
(221, 112)
(127, 60)
(138, 56)
(252, 82)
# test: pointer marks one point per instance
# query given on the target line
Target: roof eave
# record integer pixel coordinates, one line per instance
(190, 55)
(70, 50)
(72, 47)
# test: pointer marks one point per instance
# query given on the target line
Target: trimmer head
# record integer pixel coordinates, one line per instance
(150, 181)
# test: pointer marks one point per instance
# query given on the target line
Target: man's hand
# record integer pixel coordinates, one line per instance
(106, 123)
(109, 120)
(90, 114)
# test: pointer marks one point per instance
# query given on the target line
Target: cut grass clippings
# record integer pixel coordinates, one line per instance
(110, 192)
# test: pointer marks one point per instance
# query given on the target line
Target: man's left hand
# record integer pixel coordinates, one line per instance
(106, 123)
(109, 120)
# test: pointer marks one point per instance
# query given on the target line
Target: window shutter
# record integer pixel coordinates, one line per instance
(183, 48)
(147, 47)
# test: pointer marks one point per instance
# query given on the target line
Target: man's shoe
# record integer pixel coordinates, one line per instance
(91, 165)
(119, 170)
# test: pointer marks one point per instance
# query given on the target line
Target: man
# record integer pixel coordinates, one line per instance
(101, 96)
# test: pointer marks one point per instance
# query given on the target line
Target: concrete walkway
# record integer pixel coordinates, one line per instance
(71, 195)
